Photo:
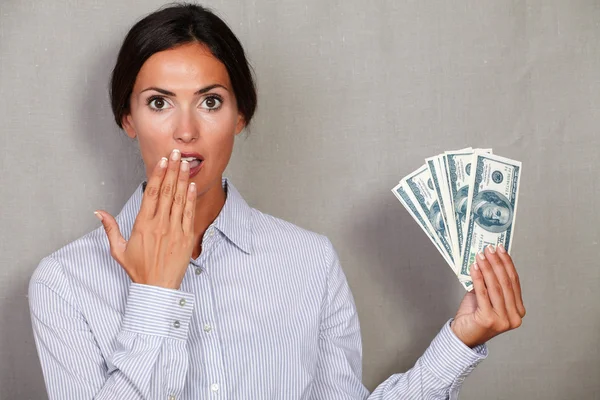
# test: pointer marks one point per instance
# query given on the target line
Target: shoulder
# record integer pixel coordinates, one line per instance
(270, 232)
(56, 269)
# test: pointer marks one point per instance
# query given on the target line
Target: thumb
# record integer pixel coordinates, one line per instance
(115, 239)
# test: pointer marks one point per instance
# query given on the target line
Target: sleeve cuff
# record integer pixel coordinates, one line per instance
(449, 358)
(153, 310)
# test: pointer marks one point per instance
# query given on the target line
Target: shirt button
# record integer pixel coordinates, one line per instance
(214, 387)
(176, 324)
(182, 302)
(211, 232)
(171, 397)
(207, 328)
(198, 270)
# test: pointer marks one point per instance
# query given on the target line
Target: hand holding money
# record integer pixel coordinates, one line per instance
(466, 203)
(497, 304)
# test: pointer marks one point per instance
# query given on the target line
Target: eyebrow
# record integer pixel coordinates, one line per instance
(200, 91)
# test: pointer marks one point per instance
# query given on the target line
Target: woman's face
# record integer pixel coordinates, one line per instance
(182, 99)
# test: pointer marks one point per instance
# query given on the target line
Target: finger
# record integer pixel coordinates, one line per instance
(507, 290)
(115, 239)
(481, 292)
(189, 211)
(514, 278)
(150, 197)
(180, 194)
(492, 285)
(167, 189)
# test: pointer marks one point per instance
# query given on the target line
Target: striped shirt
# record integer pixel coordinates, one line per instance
(264, 312)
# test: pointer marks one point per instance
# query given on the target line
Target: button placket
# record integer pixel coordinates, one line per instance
(204, 311)
(209, 238)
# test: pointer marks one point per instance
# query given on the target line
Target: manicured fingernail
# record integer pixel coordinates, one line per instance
(175, 155)
(501, 248)
(97, 214)
(491, 248)
(185, 166)
(192, 187)
(481, 256)
(475, 267)
(163, 162)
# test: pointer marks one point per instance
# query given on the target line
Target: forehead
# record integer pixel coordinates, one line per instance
(186, 67)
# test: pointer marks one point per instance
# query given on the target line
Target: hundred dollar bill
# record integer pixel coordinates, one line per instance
(491, 206)
(401, 192)
(439, 182)
(449, 203)
(459, 170)
(421, 187)
(458, 164)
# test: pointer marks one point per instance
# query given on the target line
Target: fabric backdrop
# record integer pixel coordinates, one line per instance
(353, 95)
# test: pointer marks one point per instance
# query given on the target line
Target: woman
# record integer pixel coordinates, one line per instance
(189, 293)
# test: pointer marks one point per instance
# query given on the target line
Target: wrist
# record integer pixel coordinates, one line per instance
(169, 282)
(461, 336)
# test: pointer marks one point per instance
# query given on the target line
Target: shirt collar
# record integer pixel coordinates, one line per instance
(234, 220)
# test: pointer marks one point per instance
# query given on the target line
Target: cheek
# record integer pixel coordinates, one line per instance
(154, 134)
(217, 136)
(150, 123)
(154, 137)
(223, 121)
(221, 147)
(218, 129)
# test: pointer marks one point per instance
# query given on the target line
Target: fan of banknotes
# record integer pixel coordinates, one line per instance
(463, 200)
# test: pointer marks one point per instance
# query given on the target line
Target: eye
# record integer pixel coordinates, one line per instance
(212, 103)
(157, 103)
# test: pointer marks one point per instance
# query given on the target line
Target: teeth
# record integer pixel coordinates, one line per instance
(189, 159)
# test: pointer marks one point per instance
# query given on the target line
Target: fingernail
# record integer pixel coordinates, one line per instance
(481, 256)
(97, 214)
(491, 248)
(185, 166)
(175, 155)
(501, 248)
(163, 162)
(192, 187)
(475, 267)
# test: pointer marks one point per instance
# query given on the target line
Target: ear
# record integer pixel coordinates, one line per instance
(240, 124)
(128, 126)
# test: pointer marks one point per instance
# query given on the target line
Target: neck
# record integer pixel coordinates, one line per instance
(208, 207)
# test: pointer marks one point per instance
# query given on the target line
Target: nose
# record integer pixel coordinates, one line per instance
(187, 129)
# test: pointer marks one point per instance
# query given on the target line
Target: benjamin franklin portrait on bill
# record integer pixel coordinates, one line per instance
(492, 211)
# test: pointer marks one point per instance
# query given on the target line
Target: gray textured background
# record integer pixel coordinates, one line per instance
(353, 95)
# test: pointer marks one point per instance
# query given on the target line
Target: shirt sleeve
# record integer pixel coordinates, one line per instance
(149, 360)
(437, 374)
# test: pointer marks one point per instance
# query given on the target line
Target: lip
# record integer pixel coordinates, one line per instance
(195, 155)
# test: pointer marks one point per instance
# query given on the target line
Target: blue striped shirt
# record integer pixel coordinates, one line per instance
(264, 312)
